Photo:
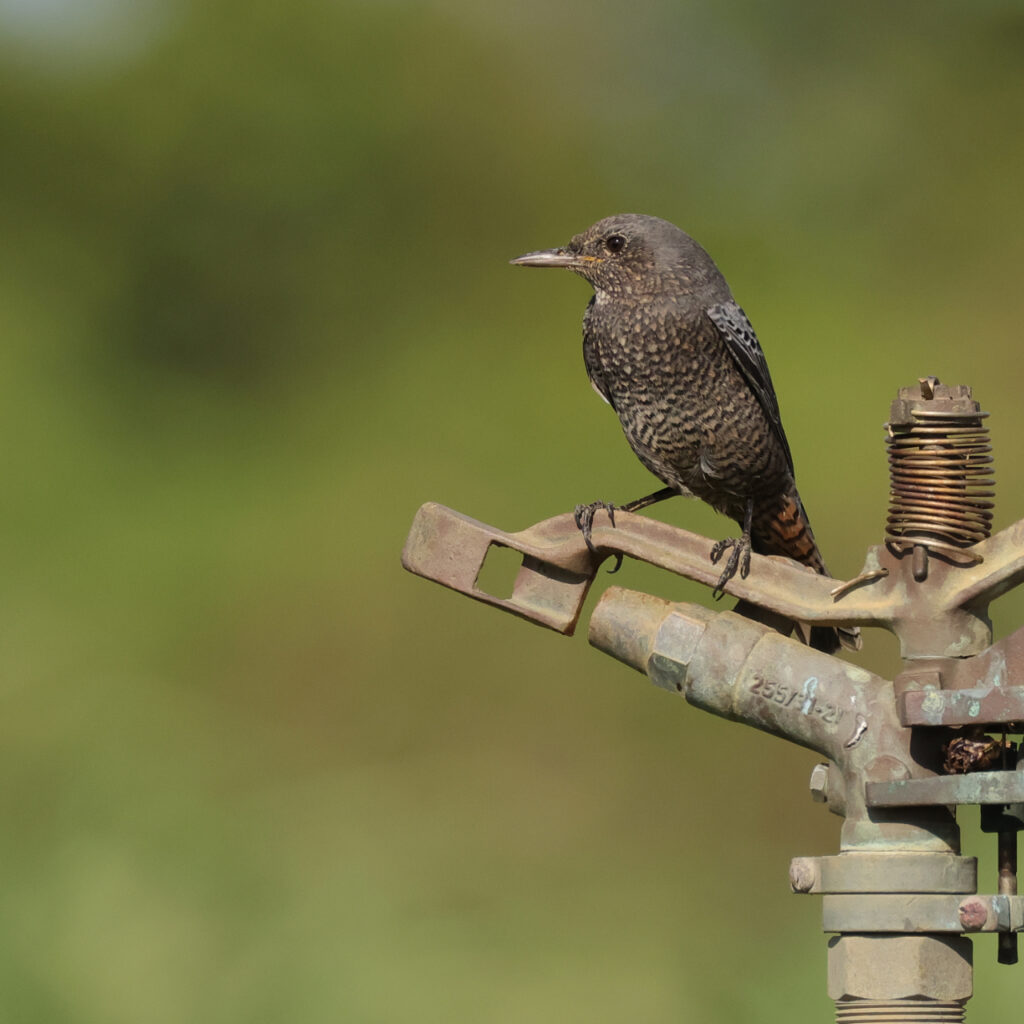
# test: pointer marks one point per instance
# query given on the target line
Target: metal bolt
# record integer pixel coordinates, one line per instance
(819, 783)
(803, 874)
(973, 914)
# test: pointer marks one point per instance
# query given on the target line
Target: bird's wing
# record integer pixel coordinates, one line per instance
(592, 357)
(740, 339)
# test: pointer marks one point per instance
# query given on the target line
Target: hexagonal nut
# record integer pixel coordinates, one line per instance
(819, 783)
(674, 646)
(900, 967)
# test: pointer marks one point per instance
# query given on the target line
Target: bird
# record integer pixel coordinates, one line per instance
(669, 349)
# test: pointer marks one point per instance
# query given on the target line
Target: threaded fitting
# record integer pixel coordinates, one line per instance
(898, 1011)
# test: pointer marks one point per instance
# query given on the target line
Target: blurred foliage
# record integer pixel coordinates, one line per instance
(256, 309)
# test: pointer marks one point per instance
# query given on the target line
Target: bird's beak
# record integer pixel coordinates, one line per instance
(549, 258)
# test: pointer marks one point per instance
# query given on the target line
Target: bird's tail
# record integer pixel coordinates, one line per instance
(780, 527)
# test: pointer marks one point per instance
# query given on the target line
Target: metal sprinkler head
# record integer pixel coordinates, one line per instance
(902, 754)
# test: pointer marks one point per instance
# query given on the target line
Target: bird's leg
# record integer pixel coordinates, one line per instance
(740, 556)
(584, 515)
(649, 499)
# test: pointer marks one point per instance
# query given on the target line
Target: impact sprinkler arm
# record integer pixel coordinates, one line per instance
(552, 585)
(450, 548)
(1001, 569)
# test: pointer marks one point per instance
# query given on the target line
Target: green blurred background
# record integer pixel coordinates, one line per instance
(256, 309)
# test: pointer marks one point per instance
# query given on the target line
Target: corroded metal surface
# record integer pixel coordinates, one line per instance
(742, 670)
(557, 570)
(979, 788)
(990, 705)
(752, 674)
(921, 913)
(885, 873)
(973, 690)
(944, 619)
(936, 968)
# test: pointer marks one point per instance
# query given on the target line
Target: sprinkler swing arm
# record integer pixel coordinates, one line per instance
(450, 548)
(899, 895)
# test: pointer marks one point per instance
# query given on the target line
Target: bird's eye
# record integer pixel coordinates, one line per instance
(615, 243)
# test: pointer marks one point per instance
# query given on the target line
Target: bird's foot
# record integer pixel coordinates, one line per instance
(584, 516)
(739, 558)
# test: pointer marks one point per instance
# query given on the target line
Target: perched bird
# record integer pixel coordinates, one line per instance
(666, 345)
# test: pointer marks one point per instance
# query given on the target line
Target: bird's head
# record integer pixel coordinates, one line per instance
(634, 255)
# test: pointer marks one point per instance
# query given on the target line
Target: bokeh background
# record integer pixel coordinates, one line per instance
(256, 308)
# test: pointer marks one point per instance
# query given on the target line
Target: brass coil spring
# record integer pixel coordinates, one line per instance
(941, 483)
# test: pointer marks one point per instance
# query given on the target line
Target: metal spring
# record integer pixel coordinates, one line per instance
(941, 483)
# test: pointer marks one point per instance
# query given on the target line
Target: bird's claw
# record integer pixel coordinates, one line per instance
(739, 558)
(584, 517)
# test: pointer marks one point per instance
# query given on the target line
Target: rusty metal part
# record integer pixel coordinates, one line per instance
(899, 1011)
(940, 472)
(973, 914)
(1002, 817)
(921, 913)
(935, 969)
(885, 873)
(819, 783)
(827, 784)
(970, 691)
(804, 875)
(977, 788)
(1007, 853)
(744, 671)
(868, 576)
(989, 705)
(946, 619)
(1007, 863)
(730, 666)
(450, 548)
